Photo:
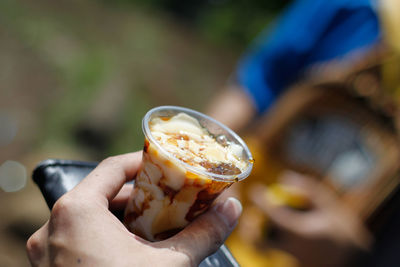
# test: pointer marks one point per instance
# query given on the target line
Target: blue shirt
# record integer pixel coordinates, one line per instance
(309, 31)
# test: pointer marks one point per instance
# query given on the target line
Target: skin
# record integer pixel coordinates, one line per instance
(82, 231)
(326, 234)
(233, 107)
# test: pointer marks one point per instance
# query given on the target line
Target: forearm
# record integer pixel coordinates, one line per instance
(233, 107)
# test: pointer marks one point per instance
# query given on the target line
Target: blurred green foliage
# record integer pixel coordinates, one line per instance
(225, 22)
(91, 69)
(107, 62)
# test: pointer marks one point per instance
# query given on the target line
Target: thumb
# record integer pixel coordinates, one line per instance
(208, 232)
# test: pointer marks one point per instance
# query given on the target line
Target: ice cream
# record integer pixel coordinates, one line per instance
(184, 169)
(188, 141)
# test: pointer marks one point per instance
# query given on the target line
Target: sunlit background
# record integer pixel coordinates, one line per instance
(76, 77)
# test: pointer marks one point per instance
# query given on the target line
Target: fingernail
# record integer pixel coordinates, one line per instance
(230, 209)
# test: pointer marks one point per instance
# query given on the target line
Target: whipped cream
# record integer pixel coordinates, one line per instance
(184, 138)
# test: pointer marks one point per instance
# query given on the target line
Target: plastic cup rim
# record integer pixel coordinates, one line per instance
(219, 177)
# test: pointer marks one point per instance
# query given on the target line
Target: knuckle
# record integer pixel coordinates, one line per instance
(56, 242)
(35, 249)
(59, 250)
(64, 206)
(33, 244)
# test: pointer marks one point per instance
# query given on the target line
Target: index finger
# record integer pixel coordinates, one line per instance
(106, 180)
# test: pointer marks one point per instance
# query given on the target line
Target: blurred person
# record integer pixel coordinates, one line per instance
(83, 231)
(327, 233)
(310, 35)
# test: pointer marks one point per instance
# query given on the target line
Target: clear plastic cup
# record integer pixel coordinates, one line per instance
(169, 193)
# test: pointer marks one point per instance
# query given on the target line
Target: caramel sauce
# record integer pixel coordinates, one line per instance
(138, 211)
(168, 163)
(208, 189)
(220, 168)
(168, 191)
(204, 199)
(181, 137)
(172, 141)
(202, 203)
(131, 216)
(146, 145)
(199, 182)
(165, 118)
(191, 175)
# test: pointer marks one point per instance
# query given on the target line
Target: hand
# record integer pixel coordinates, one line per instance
(327, 234)
(233, 107)
(83, 231)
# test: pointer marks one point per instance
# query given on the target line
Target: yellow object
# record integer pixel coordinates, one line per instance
(248, 256)
(285, 195)
(242, 241)
(389, 14)
(266, 168)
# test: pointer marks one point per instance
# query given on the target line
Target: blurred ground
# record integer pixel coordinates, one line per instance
(77, 76)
